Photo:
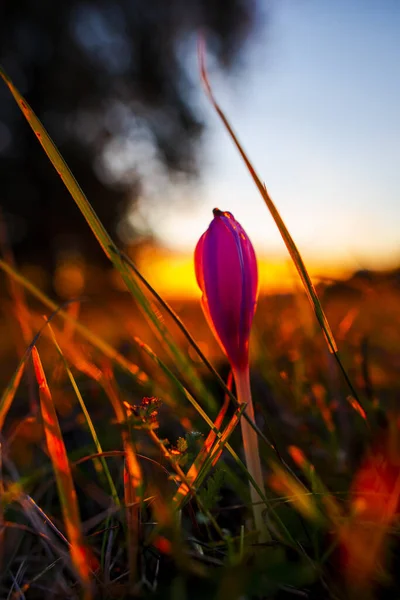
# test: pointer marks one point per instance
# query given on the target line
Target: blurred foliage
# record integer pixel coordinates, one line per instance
(113, 83)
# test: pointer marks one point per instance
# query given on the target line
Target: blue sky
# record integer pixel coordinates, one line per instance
(316, 105)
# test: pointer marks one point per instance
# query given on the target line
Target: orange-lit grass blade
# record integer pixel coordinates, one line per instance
(296, 493)
(133, 480)
(215, 451)
(7, 396)
(9, 392)
(62, 471)
(201, 458)
(88, 419)
(91, 337)
(287, 238)
(212, 457)
(132, 520)
(182, 477)
(355, 404)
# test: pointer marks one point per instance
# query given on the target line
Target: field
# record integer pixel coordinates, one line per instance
(302, 406)
(123, 472)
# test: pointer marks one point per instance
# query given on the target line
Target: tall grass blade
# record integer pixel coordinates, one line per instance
(7, 396)
(102, 236)
(287, 238)
(197, 465)
(62, 471)
(88, 419)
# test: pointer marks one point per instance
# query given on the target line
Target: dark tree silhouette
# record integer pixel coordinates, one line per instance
(109, 79)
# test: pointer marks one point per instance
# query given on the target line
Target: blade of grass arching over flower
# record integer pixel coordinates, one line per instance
(62, 471)
(102, 236)
(89, 421)
(91, 337)
(287, 238)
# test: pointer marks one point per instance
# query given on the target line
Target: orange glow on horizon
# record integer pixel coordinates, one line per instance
(172, 274)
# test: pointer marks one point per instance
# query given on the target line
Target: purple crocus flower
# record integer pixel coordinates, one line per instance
(226, 271)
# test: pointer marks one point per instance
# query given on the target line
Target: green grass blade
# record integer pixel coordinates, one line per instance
(89, 421)
(102, 236)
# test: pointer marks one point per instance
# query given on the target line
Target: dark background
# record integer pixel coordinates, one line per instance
(100, 74)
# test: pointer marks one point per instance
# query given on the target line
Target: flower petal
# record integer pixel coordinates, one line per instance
(226, 271)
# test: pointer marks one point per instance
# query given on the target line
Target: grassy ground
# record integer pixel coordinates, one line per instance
(302, 406)
(121, 467)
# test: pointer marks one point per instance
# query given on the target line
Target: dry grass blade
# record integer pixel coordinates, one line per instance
(9, 393)
(62, 471)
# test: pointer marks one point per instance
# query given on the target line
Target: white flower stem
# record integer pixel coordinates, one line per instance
(251, 451)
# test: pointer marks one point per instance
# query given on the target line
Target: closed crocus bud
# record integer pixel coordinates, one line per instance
(226, 271)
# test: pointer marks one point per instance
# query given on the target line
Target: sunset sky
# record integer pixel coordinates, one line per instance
(316, 106)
